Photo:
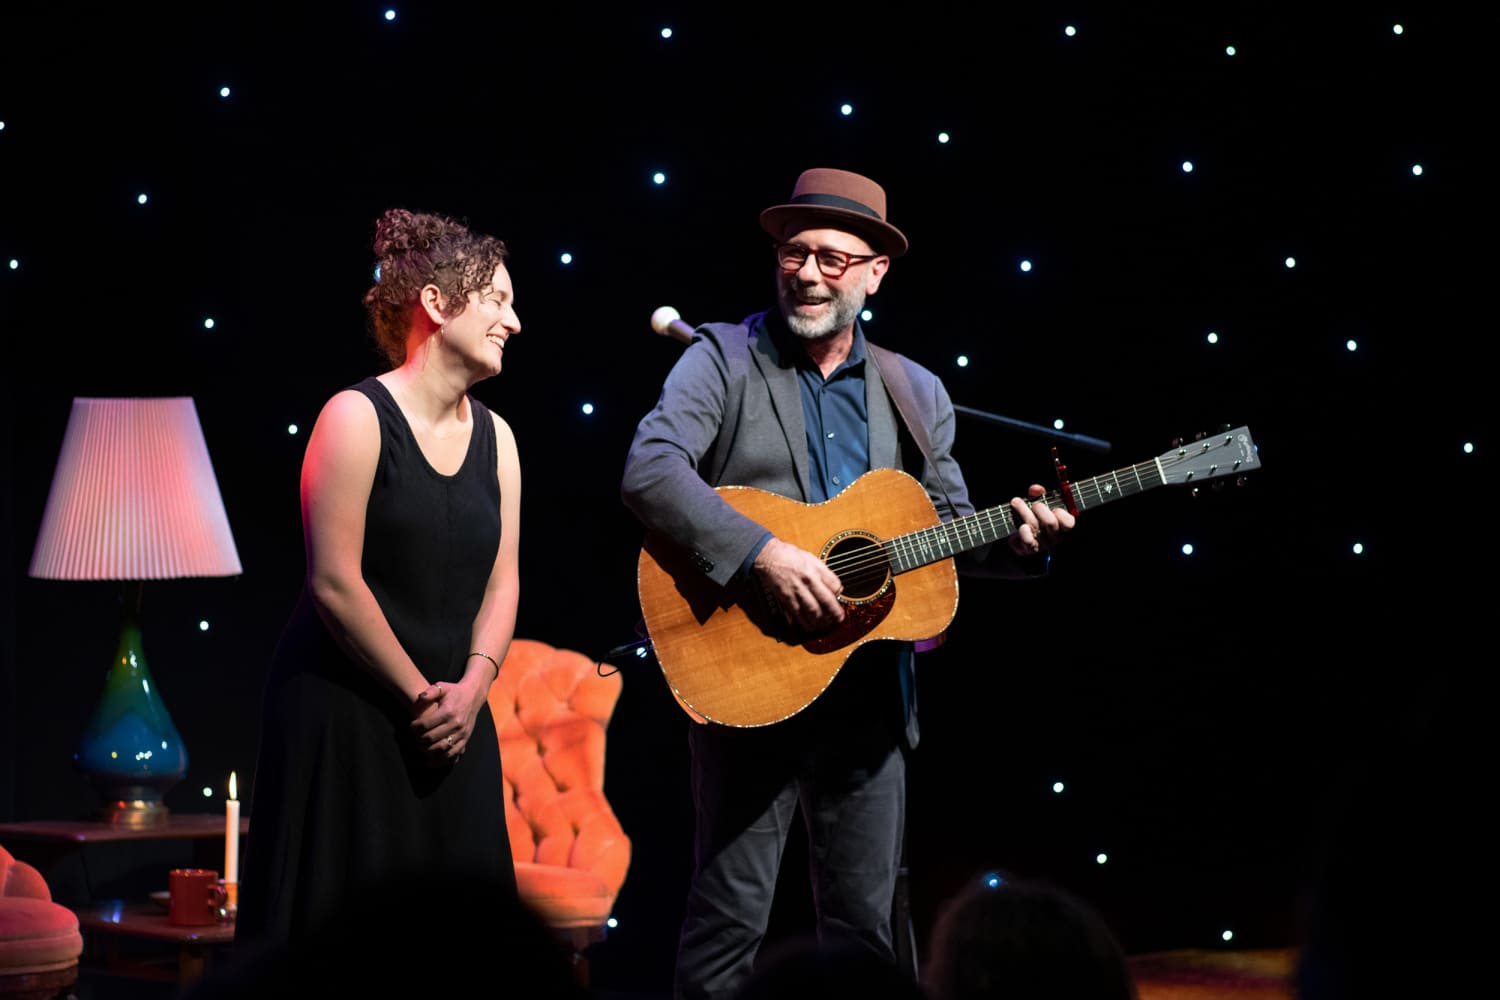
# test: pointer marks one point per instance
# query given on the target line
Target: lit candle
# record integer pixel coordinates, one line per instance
(232, 834)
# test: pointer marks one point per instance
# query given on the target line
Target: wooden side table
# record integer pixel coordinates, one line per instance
(106, 927)
(85, 861)
(80, 831)
(91, 865)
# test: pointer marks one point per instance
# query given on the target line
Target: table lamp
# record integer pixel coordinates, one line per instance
(133, 498)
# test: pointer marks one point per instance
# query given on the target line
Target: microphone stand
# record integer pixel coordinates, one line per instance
(1083, 441)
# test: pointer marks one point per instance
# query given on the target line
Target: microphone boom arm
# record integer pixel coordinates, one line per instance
(667, 322)
(1081, 440)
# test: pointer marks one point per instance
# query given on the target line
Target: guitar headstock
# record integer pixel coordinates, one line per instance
(1211, 457)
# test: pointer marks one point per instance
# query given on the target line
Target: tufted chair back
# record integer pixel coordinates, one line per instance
(551, 711)
(39, 940)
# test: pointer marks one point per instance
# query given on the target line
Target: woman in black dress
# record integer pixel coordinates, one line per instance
(378, 762)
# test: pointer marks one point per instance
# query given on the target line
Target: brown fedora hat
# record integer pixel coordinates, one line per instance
(837, 199)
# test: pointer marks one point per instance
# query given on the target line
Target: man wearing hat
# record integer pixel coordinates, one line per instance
(795, 401)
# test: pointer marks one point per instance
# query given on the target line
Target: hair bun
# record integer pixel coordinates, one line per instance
(401, 231)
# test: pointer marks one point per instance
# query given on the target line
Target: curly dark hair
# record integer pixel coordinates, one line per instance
(414, 249)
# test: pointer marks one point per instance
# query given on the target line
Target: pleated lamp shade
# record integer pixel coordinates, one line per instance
(134, 497)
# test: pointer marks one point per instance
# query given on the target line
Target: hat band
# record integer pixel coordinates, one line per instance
(834, 201)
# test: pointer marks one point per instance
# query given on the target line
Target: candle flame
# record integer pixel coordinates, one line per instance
(233, 793)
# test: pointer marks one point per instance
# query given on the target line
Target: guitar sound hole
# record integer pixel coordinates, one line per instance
(861, 565)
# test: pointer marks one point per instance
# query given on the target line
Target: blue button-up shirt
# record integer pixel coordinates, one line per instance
(838, 427)
(838, 423)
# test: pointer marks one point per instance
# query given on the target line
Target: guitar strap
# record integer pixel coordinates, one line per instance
(898, 388)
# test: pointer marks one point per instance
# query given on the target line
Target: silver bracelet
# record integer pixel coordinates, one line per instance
(487, 656)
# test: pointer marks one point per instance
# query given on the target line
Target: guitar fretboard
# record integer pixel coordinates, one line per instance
(918, 548)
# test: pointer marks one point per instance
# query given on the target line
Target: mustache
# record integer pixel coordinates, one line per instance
(796, 291)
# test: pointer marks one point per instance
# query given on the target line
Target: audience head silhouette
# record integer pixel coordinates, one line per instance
(1000, 936)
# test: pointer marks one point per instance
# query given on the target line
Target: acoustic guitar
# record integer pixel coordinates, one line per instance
(731, 657)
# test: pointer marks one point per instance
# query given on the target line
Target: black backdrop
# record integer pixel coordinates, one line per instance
(1211, 715)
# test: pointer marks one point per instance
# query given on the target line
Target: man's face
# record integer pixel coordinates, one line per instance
(815, 305)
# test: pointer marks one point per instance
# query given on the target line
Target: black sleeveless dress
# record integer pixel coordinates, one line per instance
(342, 802)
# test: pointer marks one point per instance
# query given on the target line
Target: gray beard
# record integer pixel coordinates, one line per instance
(845, 309)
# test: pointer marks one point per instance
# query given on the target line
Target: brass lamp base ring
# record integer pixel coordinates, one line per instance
(135, 814)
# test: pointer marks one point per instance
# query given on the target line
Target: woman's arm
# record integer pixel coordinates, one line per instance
(495, 624)
(337, 473)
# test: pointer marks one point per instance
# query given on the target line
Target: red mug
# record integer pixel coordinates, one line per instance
(197, 896)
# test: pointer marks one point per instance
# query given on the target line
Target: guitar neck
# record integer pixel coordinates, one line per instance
(918, 548)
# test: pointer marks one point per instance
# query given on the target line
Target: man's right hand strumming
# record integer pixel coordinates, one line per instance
(802, 586)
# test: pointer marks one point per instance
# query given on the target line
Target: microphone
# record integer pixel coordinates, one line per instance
(668, 322)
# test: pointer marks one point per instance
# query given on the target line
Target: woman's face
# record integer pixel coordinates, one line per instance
(489, 319)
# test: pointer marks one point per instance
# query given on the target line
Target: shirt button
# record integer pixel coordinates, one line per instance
(836, 479)
(830, 435)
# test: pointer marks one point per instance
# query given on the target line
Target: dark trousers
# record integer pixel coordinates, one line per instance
(844, 765)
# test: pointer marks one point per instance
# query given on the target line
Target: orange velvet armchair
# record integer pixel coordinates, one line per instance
(39, 940)
(551, 710)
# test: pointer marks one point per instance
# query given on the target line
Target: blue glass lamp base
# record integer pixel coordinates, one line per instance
(130, 750)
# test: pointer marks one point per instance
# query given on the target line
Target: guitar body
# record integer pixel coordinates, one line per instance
(731, 658)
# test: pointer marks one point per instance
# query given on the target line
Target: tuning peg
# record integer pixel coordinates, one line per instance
(1225, 428)
(1177, 442)
(1240, 481)
(1199, 436)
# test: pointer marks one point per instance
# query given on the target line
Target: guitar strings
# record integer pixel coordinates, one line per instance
(884, 553)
